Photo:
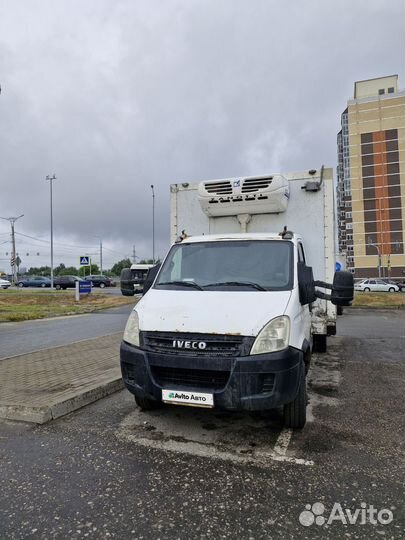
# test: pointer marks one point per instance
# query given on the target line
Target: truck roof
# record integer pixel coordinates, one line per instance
(141, 266)
(235, 236)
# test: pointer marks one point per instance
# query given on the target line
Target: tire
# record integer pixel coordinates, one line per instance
(127, 293)
(43, 285)
(391, 289)
(366, 289)
(58, 287)
(307, 360)
(339, 310)
(295, 413)
(319, 343)
(21, 285)
(146, 404)
(102, 285)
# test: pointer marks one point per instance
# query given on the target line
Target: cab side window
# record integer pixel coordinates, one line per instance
(301, 254)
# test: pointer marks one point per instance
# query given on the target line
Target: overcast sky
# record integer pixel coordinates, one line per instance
(115, 95)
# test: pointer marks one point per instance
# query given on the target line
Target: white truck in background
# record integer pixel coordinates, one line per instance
(133, 278)
(236, 309)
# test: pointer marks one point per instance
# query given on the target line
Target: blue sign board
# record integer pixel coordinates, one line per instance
(84, 287)
(85, 260)
(338, 267)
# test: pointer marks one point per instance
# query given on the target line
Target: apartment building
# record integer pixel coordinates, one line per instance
(371, 179)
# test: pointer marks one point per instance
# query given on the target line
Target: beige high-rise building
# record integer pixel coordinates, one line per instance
(371, 179)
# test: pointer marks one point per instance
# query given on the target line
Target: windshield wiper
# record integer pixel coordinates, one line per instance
(192, 284)
(237, 283)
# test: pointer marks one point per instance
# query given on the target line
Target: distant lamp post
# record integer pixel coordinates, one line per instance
(100, 253)
(379, 257)
(51, 178)
(153, 223)
(12, 220)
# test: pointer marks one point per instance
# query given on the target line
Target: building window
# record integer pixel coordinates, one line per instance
(381, 91)
(391, 90)
(348, 215)
(350, 236)
(349, 225)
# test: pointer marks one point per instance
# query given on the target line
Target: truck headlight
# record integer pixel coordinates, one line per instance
(273, 337)
(131, 332)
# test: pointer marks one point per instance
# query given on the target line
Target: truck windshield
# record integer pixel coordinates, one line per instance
(250, 265)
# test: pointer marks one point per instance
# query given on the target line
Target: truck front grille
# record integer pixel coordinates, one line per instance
(219, 346)
(190, 378)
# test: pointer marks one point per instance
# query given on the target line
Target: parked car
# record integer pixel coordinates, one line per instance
(34, 281)
(4, 283)
(377, 285)
(400, 285)
(101, 281)
(66, 282)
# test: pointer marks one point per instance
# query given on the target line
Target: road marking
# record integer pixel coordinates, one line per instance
(186, 444)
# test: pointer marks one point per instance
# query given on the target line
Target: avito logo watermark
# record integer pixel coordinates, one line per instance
(366, 514)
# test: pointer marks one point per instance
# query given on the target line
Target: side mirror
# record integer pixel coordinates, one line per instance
(150, 278)
(342, 289)
(306, 285)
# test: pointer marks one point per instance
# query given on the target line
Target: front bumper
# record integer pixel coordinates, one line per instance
(251, 383)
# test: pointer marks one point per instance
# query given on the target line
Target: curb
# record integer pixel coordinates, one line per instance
(41, 415)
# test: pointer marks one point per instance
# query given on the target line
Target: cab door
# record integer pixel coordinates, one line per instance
(304, 310)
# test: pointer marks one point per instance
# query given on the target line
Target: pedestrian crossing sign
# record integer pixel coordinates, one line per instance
(85, 260)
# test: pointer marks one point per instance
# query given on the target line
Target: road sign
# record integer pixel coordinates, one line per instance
(84, 287)
(338, 267)
(85, 260)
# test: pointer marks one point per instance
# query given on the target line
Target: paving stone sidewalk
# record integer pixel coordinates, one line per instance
(43, 385)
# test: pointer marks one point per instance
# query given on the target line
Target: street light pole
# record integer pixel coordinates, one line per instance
(12, 220)
(153, 223)
(51, 178)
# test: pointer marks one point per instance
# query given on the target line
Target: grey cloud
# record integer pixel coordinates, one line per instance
(115, 96)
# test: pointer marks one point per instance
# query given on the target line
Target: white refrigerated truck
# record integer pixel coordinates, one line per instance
(241, 300)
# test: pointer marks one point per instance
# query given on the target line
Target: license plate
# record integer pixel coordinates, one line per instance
(192, 399)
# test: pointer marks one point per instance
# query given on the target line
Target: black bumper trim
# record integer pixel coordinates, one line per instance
(258, 382)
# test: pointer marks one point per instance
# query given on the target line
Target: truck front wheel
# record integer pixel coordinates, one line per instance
(295, 413)
(146, 404)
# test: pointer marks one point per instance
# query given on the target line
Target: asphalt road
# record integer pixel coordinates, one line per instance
(22, 337)
(106, 290)
(365, 323)
(109, 471)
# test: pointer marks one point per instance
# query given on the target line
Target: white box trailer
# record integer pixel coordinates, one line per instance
(307, 209)
(231, 317)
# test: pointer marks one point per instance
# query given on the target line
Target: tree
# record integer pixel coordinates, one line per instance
(123, 263)
(39, 271)
(149, 261)
(94, 270)
(63, 270)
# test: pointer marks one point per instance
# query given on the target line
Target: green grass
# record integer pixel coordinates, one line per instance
(379, 300)
(16, 305)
